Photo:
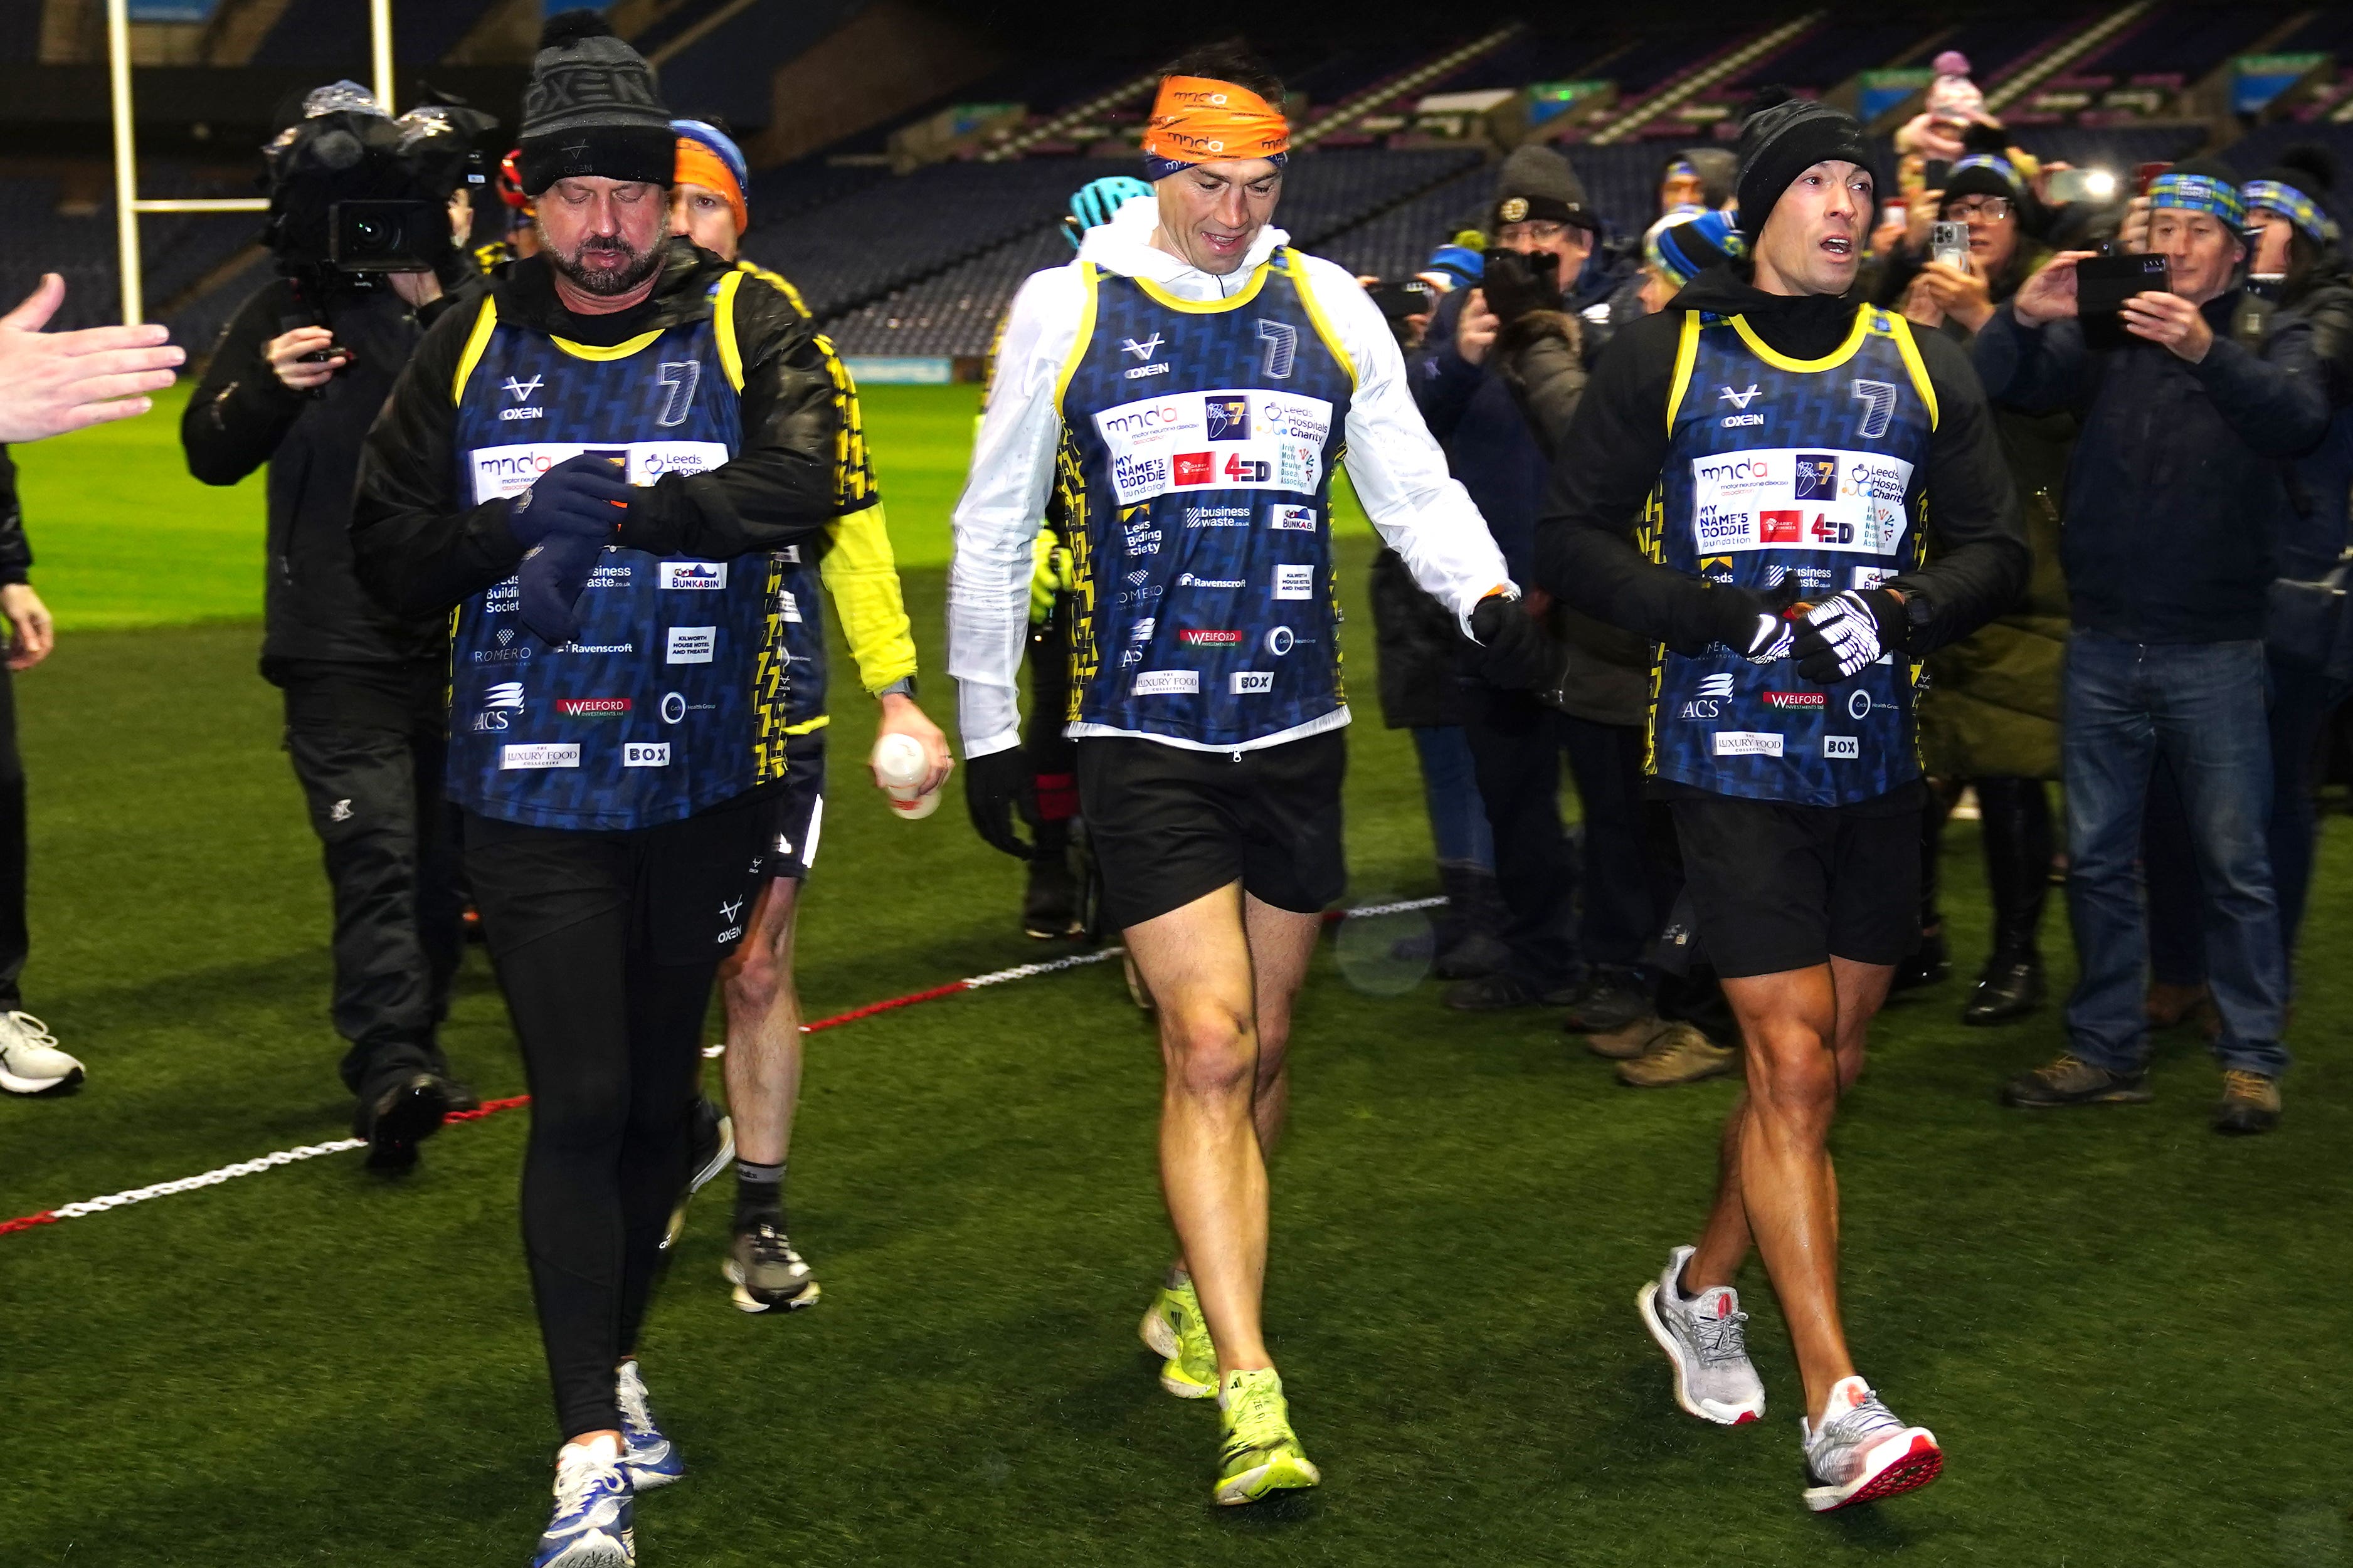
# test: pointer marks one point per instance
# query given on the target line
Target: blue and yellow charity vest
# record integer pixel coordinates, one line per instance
(1781, 472)
(670, 700)
(1195, 475)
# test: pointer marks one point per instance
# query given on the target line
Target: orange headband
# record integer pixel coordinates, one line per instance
(698, 165)
(1198, 118)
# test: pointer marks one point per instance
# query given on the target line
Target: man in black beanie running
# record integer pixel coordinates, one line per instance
(593, 465)
(1777, 444)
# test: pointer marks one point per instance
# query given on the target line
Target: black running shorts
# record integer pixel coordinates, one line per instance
(799, 810)
(1168, 825)
(1777, 887)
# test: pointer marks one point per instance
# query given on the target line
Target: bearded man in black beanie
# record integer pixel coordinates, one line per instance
(1776, 442)
(598, 467)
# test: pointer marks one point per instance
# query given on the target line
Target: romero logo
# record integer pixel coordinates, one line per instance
(1193, 467)
(593, 707)
(1229, 418)
(1210, 639)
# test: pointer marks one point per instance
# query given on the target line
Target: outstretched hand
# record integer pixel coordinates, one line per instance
(51, 382)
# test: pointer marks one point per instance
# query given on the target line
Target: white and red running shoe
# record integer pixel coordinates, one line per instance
(1705, 1336)
(1861, 1453)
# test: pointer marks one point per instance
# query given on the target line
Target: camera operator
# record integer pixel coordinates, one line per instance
(295, 382)
(2174, 501)
(1518, 736)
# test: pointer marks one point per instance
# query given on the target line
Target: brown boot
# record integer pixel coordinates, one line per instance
(1627, 1042)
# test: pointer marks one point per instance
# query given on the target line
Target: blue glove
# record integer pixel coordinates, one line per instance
(583, 494)
(553, 576)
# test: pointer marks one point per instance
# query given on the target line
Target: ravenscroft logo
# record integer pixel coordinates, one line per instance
(691, 645)
(1246, 681)
(1817, 476)
(1780, 526)
(539, 756)
(1746, 743)
(1210, 639)
(593, 707)
(645, 753)
(1229, 416)
(1166, 683)
(1291, 518)
(702, 575)
(1186, 580)
(1794, 700)
(1841, 745)
(596, 647)
(1193, 467)
(1295, 581)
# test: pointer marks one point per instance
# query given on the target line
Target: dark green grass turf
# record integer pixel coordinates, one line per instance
(2129, 1334)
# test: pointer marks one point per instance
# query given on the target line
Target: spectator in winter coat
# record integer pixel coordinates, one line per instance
(2173, 501)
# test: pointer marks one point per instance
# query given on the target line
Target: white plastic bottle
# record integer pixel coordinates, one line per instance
(901, 763)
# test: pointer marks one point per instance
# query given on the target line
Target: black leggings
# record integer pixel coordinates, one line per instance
(611, 1040)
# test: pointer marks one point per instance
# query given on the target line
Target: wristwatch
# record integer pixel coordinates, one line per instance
(903, 686)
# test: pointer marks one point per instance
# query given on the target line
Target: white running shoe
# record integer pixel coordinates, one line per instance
(31, 1062)
(592, 1527)
(1705, 1336)
(1863, 1453)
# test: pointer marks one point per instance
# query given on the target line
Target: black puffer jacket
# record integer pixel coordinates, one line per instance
(242, 417)
(422, 549)
(2313, 531)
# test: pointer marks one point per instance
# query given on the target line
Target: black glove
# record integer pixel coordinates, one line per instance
(995, 788)
(552, 575)
(586, 493)
(1846, 633)
(1514, 652)
(1748, 623)
(1514, 285)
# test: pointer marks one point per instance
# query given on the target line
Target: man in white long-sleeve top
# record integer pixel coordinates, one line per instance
(1187, 384)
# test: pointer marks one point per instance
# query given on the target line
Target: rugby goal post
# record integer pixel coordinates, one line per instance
(127, 203)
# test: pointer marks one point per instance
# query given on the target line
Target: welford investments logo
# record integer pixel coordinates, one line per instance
(593, 707)
(1204, 639)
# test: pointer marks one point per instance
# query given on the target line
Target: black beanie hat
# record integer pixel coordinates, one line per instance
(1784, 139)
(1536, 182)
(592, 108)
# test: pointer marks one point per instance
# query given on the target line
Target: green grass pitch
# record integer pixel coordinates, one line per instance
(2131, 1335)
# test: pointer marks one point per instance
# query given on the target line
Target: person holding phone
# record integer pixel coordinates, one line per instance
(2174, 505)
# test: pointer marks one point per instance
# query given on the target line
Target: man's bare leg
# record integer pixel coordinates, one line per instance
(1806, 1030)
(1198, 961)
(763, 1028)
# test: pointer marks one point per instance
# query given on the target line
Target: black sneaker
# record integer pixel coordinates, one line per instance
(713, 1146)
(2072, 1080)
(1925, 967)
(2003, 992)
(1610, 1000)
(1494, 992)
(401, 1116)
(2250, 1103)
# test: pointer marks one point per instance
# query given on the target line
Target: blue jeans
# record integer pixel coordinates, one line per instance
(2198, 706)
(1458, 818)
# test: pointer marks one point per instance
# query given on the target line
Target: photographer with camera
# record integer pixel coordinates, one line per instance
(359, 221)
(1545, 232)
(2175, 498)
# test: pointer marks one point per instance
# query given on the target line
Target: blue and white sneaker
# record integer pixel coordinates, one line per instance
(650, 1458)
(592, 1524)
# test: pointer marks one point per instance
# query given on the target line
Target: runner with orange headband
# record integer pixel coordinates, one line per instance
(1186, 387)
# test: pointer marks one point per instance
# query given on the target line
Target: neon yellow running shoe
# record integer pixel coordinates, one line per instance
(1173, 1329)
(1261, 1452)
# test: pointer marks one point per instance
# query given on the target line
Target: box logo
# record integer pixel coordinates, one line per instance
(1841, 745)
(1246, 681)
(645, 753)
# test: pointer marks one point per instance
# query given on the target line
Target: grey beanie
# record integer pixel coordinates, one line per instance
(593, 108)
(1537, 183)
